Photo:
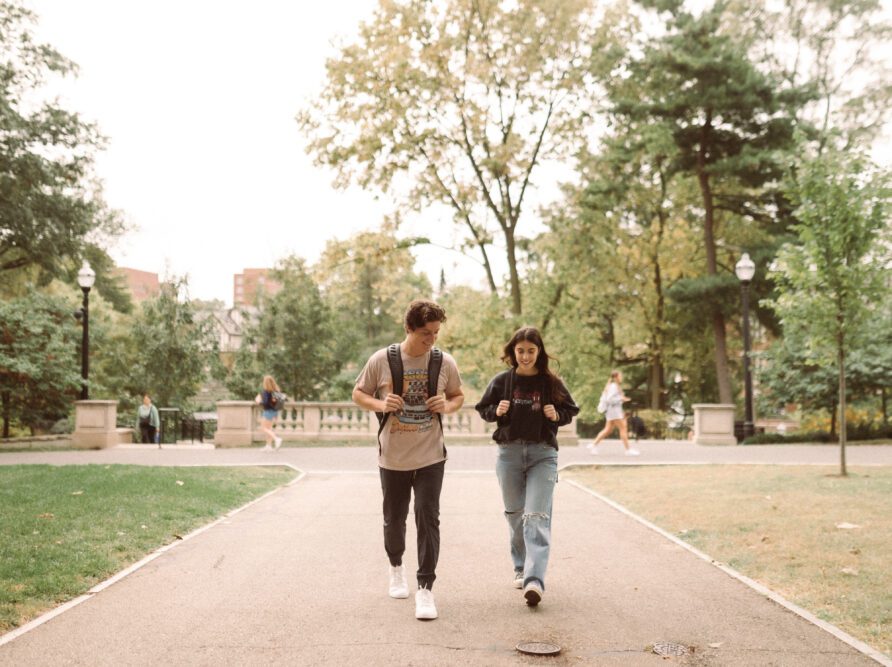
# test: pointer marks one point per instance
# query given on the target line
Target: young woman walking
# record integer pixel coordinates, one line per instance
(528, 402)
(270, 412)
(613, 398)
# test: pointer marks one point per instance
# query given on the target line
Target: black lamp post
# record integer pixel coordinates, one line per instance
(745, 269)
(85, 278)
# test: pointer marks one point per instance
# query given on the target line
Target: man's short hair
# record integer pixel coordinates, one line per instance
(420, 312)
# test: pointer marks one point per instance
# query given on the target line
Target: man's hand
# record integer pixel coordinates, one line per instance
(393, 403)
(550, 412)
(502, 408)
(437, 404)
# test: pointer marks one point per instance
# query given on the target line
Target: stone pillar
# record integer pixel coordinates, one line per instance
(95, 424)
(235, 424)
(714, 424)
(312, 419)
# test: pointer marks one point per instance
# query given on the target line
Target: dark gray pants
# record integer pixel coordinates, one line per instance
(397, 486)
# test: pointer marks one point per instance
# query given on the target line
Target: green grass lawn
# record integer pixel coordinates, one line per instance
(63, 529)
(822, 541)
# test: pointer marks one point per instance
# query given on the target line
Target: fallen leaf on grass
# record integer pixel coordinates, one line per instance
(77, 493)
(46, 515)
(855, 552)
(765, 538)
(850, 571)
(144, 527)
(845, 525)
(179, 483)
(716, 644)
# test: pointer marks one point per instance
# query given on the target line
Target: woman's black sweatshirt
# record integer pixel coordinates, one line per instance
(525, 421)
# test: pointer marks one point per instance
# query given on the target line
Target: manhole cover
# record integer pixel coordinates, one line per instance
(538, 648)
(669, 648)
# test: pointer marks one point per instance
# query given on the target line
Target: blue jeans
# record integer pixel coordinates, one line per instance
(527, 475)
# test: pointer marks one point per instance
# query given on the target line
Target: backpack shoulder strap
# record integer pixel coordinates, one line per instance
(395, 361)
(434, 364)
(509, 386)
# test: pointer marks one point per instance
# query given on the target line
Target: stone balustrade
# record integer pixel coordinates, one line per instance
(238, 424)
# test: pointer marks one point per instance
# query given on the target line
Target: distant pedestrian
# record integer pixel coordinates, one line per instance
(411, 385)
(528, 402)
(271, 399)
(147, 420)
(612, 399)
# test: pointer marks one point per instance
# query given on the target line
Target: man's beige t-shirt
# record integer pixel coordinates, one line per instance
(412, 437)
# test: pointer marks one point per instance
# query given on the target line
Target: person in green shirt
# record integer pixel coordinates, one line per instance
(147, 420)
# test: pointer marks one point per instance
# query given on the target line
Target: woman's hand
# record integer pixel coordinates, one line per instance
(550, 412)
(502, 408)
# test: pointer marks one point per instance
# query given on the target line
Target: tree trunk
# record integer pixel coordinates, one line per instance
(841, 360)
(833, 413)
(512, 268)
(885, 409)
(723, 376)
(5, 397)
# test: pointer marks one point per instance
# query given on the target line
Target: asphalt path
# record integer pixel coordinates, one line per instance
(300, 578)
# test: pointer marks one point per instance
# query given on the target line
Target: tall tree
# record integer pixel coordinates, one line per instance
(50, 203)
(294, 339)
(730, 124)
(838, 47)
(173, 350)
(462, 100)
(367, 280)
(831, 282)
(39, 371)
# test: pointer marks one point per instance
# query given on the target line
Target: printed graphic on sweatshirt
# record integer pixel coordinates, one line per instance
(529, 400)
(415, 416)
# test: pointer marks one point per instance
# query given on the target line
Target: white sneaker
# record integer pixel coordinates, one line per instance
(518, 580)
(632, 452)
(593, 449)
(425, 609)
(533, 593)
(278, 442)
(399, 588)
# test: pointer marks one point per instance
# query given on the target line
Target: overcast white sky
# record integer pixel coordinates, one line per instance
(205, 160)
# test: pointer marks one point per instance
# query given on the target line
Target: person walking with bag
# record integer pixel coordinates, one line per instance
(147, 420)
(272, 400)
(411, 385)
(612, 399)
(528, 402)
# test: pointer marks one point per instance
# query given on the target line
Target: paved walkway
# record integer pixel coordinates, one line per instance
(299, 578)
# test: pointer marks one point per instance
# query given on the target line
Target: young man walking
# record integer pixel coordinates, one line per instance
(411, 451)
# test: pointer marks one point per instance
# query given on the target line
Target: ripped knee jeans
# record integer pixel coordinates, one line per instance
(527, 474)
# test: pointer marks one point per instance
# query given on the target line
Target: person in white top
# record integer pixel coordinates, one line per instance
(613, 398)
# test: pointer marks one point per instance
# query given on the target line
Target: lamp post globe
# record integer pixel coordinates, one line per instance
(745, 270)
(85, 278)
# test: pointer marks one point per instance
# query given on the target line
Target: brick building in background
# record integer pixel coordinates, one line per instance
(251, 283)
(141, 284)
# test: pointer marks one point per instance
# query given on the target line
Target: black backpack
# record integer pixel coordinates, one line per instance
(395, 361)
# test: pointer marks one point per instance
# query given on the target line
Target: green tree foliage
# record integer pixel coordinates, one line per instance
(367, 281)
(171, 351)
(294, 339)
(831, 282)
(39, 360)
(462, 100)
(730, 124)
(838, 48)
(51, 208)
